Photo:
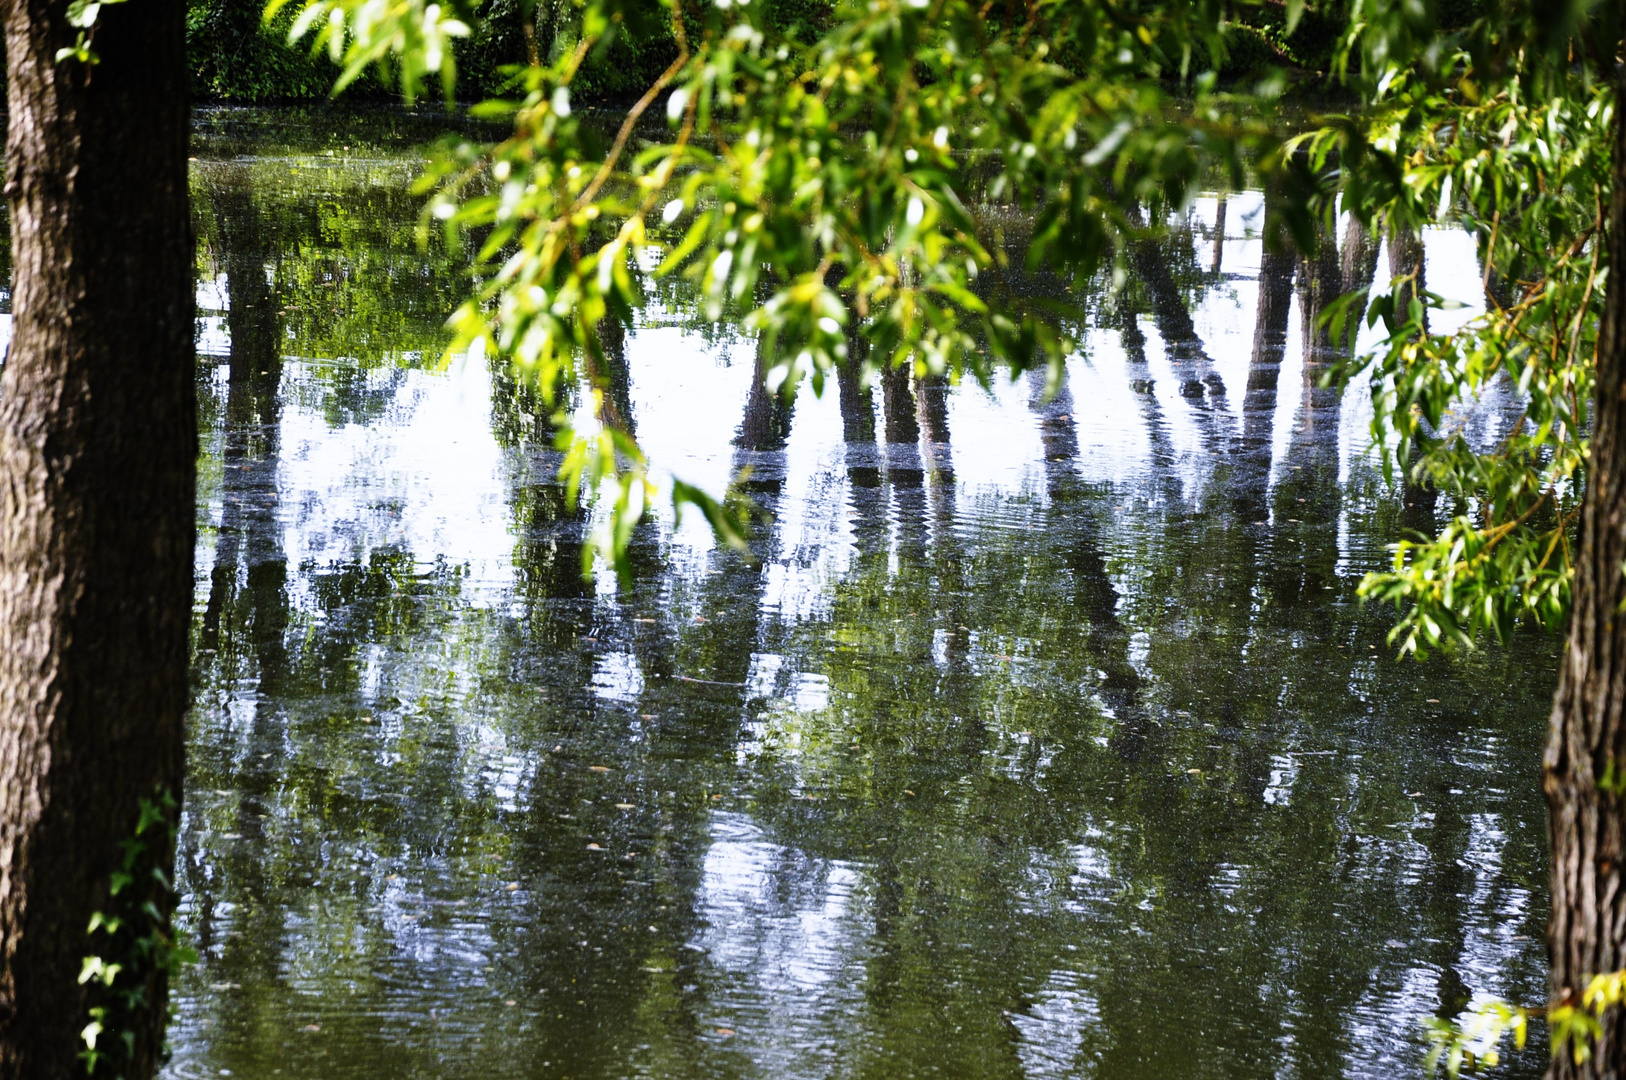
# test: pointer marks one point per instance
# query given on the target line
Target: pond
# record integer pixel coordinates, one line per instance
(1037, 735)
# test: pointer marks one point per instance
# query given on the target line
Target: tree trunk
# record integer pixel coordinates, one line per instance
(1587, 934)
(97, 450)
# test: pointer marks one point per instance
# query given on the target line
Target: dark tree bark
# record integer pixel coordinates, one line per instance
(97, 450)
(1586, 825)
(250, 531)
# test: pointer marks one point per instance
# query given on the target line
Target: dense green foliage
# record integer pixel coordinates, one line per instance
(238, 59)
(1530, 178)
(132, 941)
(1491, 129)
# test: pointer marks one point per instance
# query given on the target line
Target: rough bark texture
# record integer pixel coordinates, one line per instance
(1587, 934)
(97, 450)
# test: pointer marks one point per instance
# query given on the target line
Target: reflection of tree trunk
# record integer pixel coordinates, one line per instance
(1406, 259)
(863, 458)
(1447, 841)
(98, 445)
(766, 423)
(951, 590)
(898, 406)
(1307, 496)
(550, 528)
(902, 428)
(720, 649)
(1157, 434)
(1094, 595)
(1264, 369)
(1219, 236)
(1185, 349)
(250, 533)
(716, 652)
(1418, 495)
(249, 540)
(856, 398)
(611, 377)
(1320, 282)
(1133, 338)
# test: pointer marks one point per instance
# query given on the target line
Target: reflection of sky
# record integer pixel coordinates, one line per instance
(783, 940)
(430, 480)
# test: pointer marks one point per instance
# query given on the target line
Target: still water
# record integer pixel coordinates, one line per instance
(1039, 736)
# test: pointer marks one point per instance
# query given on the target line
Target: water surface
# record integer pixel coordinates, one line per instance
(1038, 736)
